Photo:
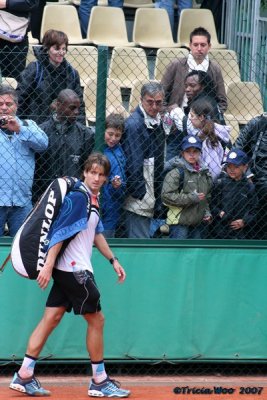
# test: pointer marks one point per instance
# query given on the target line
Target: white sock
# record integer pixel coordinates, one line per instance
(99, 372)
(27, 367)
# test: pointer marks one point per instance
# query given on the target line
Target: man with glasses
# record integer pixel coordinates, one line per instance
(144, 144)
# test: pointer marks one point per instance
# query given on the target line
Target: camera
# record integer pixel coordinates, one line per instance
(3, 121)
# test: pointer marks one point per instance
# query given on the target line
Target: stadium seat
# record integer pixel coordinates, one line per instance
(136, 92)
(192, 18)
(164, 57)
(113, 99)
(138, 3)
(84, 60)
(128, 64)
(152, 28)
(235, 129)
(107, 27)
(63, 18)
(30, 55)
(244, 101)
(227, 60)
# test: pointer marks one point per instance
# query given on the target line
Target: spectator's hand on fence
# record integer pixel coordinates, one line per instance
(221, 214)
(237, 224)
(201, 196)
(116, 182)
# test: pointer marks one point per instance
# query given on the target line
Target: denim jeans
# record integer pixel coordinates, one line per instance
(169, 7)
(85, 12)
(185, 232)
(14, 217)
(137, 226)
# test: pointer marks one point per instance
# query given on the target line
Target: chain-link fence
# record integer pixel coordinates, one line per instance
(83, 368)
(208, 198)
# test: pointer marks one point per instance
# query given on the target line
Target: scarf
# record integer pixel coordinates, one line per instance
(198, 67)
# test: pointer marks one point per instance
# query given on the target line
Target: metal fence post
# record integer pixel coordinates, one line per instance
(102, 72)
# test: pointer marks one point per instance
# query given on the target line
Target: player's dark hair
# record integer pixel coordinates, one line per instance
(100, 160)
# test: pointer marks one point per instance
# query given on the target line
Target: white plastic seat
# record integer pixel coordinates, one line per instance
(192, 18)
(128, 64)
(164, 57)
(235, 129)
(113, 98)
(152, 28)
(227, 60)
(107, 27)
(63, 18)
(138, 3)
(84, 60)
(244, 101)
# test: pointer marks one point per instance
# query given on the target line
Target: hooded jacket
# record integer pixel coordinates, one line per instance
(40, 83)
(184, 206)
(238, 200)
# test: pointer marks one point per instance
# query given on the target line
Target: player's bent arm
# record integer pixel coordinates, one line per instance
(46, 272)
(102, 245)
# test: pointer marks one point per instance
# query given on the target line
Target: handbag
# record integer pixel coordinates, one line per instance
(12, 28)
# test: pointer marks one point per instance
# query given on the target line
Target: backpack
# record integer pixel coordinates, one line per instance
(30, 244)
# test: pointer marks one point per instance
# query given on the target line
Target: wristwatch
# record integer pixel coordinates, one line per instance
(111, 260)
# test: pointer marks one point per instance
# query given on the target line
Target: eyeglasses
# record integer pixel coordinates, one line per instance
(157, 103)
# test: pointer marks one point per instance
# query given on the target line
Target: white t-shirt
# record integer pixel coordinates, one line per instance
(77, 255)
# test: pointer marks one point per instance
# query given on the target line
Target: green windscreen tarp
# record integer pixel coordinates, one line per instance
(180, 301)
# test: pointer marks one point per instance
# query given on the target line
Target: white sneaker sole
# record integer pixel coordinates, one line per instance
(21, 388)
(97, 393)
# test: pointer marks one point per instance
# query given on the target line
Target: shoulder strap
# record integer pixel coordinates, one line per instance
(88, 197)
(39, 73)
(181, 179)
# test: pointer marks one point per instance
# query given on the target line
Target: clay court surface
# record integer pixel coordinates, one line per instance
(152, 388)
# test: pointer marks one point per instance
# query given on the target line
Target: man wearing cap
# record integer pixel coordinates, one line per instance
(234, 200)
(187, 203)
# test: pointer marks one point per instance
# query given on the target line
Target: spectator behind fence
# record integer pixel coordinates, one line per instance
(186, 191)
(234, 200)
(198, 86)
(198, 59)
(42, 80)
(85, 12)
(215, 137)
(19, 141)
(14, 42)
(143, 144)
(113, 193)
(253, 140)
(70, 143)
(168, 5)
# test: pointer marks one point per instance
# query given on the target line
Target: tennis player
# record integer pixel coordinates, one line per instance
(74, 287)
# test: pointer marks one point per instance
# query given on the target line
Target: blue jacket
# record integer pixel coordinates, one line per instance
(139, 144)
(18, 162)
(112, 199)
